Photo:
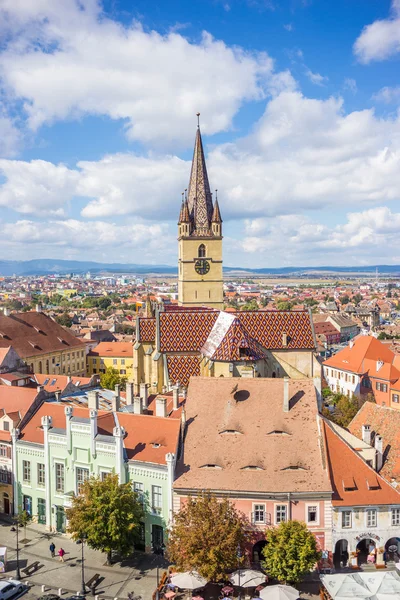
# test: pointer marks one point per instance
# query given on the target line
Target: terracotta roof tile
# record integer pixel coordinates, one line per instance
(120, 349)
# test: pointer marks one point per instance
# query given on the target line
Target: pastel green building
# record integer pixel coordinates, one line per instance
(63, 444)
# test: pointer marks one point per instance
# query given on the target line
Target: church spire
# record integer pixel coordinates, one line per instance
(199, 197)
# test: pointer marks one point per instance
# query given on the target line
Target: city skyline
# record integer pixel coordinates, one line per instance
(299, 104)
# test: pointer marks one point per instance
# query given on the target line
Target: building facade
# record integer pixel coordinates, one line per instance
(63, 445)
(200, 280)
(117, 355)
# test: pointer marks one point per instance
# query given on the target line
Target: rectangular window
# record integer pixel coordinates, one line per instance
(6, 426)
(371, 517)
(280, 513)
(354, 378)
(384, 387)
(138, 488)
(395, 398)
(259, 513)
(4, 475)
(26, 471)
(312, 514)
(122, 371)
(104, 475)
(122, 362)
(40, 474)
(82, 475)
(60, 477)
(156, 496)
(3, 450)
(346, 519)
(396, 516)
(115, 361)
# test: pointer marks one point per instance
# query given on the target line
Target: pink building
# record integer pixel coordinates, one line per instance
(259, 442)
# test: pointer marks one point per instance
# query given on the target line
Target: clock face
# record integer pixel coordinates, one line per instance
(202, 266)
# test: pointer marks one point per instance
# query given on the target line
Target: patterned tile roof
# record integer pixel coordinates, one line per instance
(228, 341)
(188, 330)
(185, 331)
(147, 330)
(268, 327)
(181, 368)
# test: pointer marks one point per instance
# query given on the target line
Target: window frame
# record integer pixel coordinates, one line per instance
(277, 509)
(343, 519)
(77, 471)
(259, 507)
(58, 489)
(26, 469)
(368, 513)
(395, 517)
(41, 481)
(156, 508)
(316, 506)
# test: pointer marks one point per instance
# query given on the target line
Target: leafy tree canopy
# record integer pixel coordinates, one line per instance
(206, 535)
(290, 552)
(64, 319)
(344, 299)
(107, 514)
(111, 378)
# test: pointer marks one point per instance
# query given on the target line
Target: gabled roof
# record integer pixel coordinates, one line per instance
(354, 482)
(239, 426)
(113, 349)
(15, 399)
(228, 341)
(383, 421)
(34, 333)
(352, 358)
(59, 382)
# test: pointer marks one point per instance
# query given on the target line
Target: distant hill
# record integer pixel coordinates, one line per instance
(48, 266)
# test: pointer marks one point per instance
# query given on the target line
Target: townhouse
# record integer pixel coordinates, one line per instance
(70, 439)
(118, 355)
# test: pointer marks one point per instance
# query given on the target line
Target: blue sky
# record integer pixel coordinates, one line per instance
(299, 103)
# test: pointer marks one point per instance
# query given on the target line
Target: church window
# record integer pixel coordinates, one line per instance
(202, 251)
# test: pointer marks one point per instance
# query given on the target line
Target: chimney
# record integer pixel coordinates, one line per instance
(40, 388)
(38, 308)
(175, 396)
(93, 399)
(68, 410)
(93, 431)
(57, 395)
(129, 393)
(379, 452)
(161, 407)
(351, 344)
(116, 399)
(6, 311)
(69, 379)
(366, 434)
(184, 393)
(286, 394)
(144, 394)
(137, 406)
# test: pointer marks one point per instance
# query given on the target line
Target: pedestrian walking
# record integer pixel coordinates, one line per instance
(61, 554)
(52, 549)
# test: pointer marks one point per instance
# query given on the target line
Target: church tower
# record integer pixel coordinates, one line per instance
(200, 281)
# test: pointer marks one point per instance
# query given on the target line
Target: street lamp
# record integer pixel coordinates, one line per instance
(18, 573)
(239, 556)
(83, 586)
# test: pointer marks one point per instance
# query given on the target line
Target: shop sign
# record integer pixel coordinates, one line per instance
(371, 536)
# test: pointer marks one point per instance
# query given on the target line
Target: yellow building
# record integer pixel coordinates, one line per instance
(43, 344)
(118, 355)
(200, 280)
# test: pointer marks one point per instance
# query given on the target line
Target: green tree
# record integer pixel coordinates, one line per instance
(205, 536)
(251, 305)
(290, 552)
(64, 319)
(108, 514)
(104, 303)
(344, 299)
(24, 518)
(284, 305)
(326, 392)
(357, 298)
(111, 378)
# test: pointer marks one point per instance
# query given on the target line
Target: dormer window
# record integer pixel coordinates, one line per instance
(210, 466)
(231, 431)
(349, 485)
(252, 468)
(294, 468)
(278, 432)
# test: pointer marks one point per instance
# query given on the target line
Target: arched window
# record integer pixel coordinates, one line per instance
(202, 251)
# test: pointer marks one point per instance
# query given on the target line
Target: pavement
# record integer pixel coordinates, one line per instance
(137, 575)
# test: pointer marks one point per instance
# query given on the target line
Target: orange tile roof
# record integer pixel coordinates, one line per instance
(354, 482)
(15, 399)
(353, 358)
(115, 349)
(60, 381)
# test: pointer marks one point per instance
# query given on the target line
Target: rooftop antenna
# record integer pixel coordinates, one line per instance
(183, 199)
(198, 120)
(185, 193)
(216, 195)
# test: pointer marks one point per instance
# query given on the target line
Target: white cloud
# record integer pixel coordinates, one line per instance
(351, 85)
(366, 237)
(316, 78)
(10, 137)
(288, 27)
(381, 39)
(38, 186)
(97, 240)
(66, 61)
(388, 95)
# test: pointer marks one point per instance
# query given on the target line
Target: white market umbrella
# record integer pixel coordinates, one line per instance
(247, 578)
(345, 586)
(382, 583)
(279, 592)
(190, 580)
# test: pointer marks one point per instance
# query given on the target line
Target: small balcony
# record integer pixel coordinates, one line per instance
(261, 518)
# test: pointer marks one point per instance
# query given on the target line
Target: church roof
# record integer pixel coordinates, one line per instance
(229, 341)
(199, 195)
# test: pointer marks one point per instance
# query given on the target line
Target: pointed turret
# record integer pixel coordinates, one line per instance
(199, 196)
(216, 216)
(148, 311)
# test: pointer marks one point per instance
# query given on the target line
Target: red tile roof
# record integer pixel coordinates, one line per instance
(354, 482)
(34, 333)
(114, 349)
(354, 357)
(383, 421)
(182, 367)
(147, 329)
